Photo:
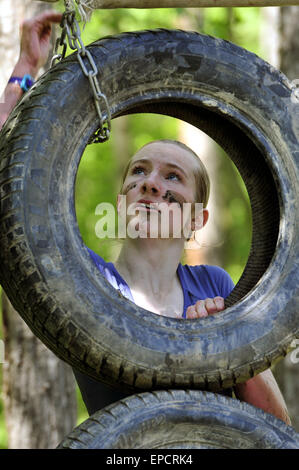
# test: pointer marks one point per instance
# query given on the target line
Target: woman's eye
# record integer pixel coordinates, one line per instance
(173, 176)
(138, 170)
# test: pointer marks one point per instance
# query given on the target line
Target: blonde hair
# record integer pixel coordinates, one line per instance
(201, 175)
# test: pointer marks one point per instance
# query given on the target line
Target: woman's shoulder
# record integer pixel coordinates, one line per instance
(106, 268)
(206, 270)
(97, 259)
(213, 279)
(212, 270)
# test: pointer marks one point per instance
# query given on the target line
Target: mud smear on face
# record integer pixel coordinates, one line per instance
(129, 187)
(172, 196)
(169, 196)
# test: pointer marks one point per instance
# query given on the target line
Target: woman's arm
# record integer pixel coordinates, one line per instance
(34, 51)
(262, 390)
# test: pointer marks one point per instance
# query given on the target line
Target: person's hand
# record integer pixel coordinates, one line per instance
(206, 307)
(35, 41)
(34, 51)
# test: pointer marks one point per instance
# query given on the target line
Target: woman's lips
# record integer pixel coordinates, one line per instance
(148, 205)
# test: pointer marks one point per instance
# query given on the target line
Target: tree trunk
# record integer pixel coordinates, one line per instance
(207, 247)
(289, 42)
(38, 388)
(286, 371)
(9, 37)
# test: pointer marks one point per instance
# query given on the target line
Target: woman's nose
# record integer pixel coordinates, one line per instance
(150, 185)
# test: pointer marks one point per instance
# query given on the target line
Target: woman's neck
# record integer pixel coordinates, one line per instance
(150, 265)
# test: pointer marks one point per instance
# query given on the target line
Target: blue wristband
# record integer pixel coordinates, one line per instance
(25, 82)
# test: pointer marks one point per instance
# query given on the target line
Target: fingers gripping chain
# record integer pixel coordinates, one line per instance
(71, 35)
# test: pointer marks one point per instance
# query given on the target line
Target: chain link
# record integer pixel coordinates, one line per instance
(71, 35)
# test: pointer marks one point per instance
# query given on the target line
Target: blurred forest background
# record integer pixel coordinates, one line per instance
(226, 239)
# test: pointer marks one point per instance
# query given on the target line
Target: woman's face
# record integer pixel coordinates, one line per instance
(160, 173)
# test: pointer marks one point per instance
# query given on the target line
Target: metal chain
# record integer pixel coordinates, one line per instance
(71, 35)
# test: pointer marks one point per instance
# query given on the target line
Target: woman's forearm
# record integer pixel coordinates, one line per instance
(13, 91)
(34, 50)
(263, 392)
(10, 98)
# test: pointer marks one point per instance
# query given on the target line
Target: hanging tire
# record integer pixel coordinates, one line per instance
(245, 105)
(178, 419)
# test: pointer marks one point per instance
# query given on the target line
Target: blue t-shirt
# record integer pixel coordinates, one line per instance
(198, 282)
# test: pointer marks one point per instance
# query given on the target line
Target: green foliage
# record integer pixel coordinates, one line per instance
(236, 218)
(239, 25)
(93, 185)
(246, 27)
(82, 412)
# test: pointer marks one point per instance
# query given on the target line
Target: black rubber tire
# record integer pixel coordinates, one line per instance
(250, 109)
(178, 419)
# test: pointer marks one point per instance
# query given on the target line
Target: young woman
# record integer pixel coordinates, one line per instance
(148, 270)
